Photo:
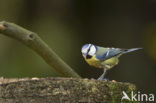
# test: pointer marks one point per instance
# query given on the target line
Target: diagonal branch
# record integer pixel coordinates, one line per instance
(33, 41)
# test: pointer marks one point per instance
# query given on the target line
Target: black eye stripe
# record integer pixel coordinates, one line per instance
(89, 49)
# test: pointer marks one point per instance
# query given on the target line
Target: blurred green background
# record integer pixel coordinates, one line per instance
(66, 25)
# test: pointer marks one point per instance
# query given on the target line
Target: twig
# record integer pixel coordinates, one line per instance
(33, 41)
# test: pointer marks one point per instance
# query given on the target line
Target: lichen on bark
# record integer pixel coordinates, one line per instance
(62, 90)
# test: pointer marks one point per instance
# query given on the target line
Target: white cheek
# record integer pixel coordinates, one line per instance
(84, 51)
(92, 51)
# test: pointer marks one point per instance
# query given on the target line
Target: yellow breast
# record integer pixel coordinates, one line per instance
(107, 64)
(93, 61)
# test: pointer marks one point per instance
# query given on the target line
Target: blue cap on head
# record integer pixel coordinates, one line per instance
(85, 46)
(88, 49)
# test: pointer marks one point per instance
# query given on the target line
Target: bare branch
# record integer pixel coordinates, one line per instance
(33, 41)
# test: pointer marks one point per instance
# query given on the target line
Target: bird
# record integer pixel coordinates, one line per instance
(103, 57)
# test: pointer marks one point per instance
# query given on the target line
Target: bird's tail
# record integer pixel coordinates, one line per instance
(130, 50)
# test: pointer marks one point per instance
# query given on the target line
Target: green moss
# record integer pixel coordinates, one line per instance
(117, 88)
(65, 90)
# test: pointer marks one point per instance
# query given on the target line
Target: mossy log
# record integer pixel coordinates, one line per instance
(62, 90)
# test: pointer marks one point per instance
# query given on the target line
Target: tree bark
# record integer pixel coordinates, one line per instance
(62, 90)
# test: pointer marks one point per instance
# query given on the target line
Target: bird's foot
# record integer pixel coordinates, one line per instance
(93, 79)
(106, 79)
(103, 79)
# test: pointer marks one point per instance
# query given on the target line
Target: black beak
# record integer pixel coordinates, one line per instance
(88, 57)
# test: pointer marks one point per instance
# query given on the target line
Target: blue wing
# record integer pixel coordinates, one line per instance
(111, 52)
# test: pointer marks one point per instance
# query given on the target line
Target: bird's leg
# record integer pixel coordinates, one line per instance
(102, 76)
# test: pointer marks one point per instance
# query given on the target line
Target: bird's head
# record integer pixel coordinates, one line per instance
(88, 50)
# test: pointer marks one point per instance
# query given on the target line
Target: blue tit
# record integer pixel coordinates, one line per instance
(101, 57)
